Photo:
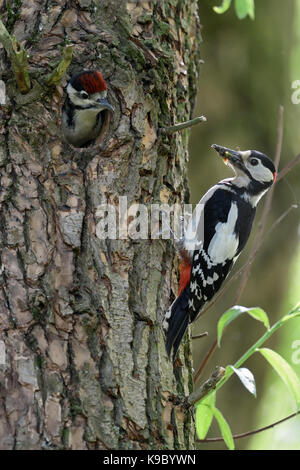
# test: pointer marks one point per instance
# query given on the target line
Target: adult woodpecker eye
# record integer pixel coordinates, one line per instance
(254, 161)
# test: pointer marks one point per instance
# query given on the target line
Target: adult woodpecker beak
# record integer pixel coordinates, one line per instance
(104, 104)
(232, 156)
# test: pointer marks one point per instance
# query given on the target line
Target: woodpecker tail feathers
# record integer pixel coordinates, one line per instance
(176, 321)
(177, 316)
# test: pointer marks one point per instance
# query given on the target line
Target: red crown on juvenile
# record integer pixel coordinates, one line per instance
(90, 81)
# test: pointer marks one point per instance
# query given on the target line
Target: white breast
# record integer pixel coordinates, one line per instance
(84, 128)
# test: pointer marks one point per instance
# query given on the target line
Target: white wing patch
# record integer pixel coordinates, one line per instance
(224, 244)
(194, 234)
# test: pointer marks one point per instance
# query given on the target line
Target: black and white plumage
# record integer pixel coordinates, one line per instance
(216, 234)
(82, 113)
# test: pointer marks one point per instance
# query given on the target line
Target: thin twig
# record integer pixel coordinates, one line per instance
(183, 125)
(209, 385)
(250, 433)
(18, 57)
(58, 73)
(288, 168)
(279, 220)
(200, 335)
(205, 360)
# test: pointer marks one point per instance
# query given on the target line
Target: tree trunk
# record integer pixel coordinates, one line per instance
(82, 356)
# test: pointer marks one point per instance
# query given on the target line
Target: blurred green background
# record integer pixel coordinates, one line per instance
(248, 70)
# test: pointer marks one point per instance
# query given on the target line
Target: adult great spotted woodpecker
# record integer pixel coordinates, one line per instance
(215, 236)
(82, 112)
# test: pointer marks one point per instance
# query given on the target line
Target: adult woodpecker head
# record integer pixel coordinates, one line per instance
(255, 171)
(82, 114)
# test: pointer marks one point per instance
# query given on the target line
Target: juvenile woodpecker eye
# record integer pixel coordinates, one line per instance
(254, 161)
(84, 94)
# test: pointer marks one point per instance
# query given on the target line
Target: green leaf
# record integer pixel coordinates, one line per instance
(246, 377)
(204, 415)
(224, 428)
(244, 8)
(285, 372)
(222, 8)
(260, 315)
(235, 312)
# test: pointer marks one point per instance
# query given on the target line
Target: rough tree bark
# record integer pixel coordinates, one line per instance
(83, 363)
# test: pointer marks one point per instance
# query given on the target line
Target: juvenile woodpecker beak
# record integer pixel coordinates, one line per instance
(233, 156)
(104, 104)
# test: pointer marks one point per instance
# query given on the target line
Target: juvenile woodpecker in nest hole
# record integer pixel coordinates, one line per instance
(83, 110)
(215, 236)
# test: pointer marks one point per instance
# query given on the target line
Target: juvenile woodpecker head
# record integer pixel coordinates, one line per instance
(82, 114)
(254, 170)
(88, 89)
